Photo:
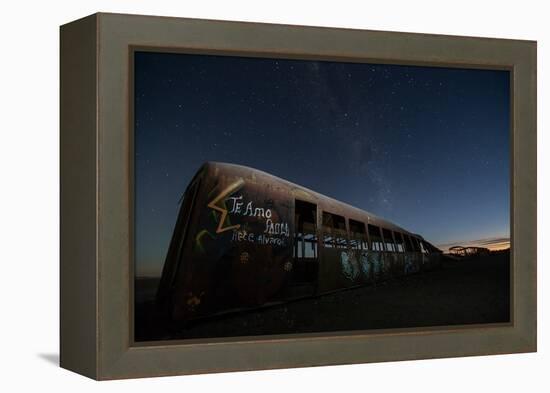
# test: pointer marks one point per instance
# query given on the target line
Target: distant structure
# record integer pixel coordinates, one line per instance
(468, 251)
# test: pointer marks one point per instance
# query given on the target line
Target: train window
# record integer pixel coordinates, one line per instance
(334, 231)
(409, 242)
(388, 240)
(423, 247)
(428, 247)
(375, 238)
(400, 243)
(416, 245)
(305, 231)
(406, 244)
(357, 235)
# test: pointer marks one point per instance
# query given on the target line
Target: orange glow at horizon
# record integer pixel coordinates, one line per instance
(493, 244)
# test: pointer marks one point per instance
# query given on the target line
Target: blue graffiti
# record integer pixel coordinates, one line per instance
(349, 265)
(374, 259)
(410, 266)
(365, 264)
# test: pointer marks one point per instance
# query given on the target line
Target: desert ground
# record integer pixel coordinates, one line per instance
(460, 292)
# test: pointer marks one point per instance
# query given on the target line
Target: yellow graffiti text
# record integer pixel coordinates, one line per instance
(214, 205)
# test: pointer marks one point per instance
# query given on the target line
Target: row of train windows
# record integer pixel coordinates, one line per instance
(360, 237)
(369, 237)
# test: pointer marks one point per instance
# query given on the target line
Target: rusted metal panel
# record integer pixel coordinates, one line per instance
(239, 243)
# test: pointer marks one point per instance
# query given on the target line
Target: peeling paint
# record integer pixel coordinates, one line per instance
(244, 257)
(193, 301)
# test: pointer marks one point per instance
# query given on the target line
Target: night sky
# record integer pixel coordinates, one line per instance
(426, 148)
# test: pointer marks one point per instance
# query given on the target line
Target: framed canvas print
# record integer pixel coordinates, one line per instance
(241, 196)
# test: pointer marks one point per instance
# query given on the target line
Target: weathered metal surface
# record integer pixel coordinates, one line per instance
(235, 236)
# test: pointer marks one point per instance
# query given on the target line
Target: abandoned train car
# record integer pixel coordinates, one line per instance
(244, 238)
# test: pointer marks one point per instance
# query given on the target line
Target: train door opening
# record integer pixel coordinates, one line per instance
(305, 253)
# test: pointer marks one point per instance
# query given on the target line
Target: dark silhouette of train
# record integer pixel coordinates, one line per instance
(245, 239)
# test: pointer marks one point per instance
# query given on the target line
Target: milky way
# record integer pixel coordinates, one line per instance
(425, 147)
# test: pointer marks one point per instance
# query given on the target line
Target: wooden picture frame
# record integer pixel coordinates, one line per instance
(97, 199)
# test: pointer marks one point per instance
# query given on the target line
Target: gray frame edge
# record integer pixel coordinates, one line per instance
(113, 349)
(524, 196)
(78, 191)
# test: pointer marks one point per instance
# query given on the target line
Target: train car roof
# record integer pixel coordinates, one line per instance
(345, 209)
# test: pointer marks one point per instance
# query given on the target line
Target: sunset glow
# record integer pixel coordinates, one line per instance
(493, 244)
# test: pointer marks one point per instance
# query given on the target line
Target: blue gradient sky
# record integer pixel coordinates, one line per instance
(425, 147)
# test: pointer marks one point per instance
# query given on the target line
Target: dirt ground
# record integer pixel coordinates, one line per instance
(467, 291)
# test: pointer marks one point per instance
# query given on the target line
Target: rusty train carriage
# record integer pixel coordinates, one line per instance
(245, 238)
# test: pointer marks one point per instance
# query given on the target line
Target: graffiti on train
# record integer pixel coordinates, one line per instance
(364, 265)
(261, 238)
(350, 269)
(257, 222)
